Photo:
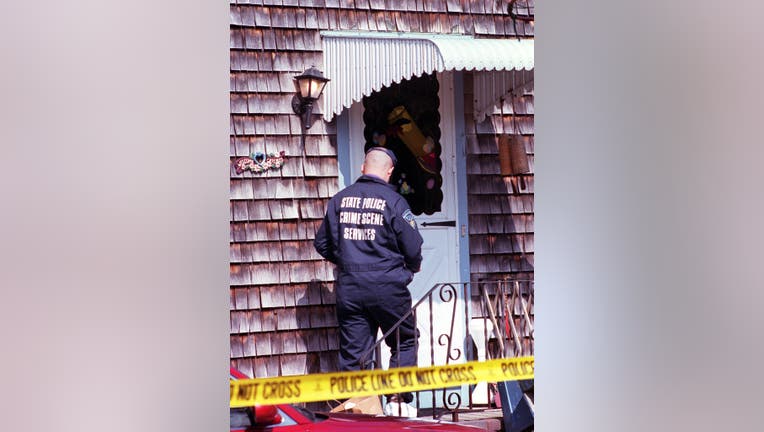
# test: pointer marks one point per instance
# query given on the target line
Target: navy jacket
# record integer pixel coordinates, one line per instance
(368, 226)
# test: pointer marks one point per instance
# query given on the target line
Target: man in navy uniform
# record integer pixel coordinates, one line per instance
(369, 232)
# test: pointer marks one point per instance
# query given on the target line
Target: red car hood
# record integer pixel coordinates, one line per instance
(367, 422)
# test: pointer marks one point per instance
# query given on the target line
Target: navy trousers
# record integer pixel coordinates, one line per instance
(373, 300)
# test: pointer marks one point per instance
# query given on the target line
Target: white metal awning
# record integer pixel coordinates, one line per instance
(359, 63)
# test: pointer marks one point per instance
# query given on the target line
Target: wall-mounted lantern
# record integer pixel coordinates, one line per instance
(310, 84)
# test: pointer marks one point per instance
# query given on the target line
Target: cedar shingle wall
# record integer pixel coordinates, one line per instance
(500, 209)
(282, 300)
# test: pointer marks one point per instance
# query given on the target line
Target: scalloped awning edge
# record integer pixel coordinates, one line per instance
(359, 63)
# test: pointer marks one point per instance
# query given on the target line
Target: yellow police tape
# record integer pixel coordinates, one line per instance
(341, 385)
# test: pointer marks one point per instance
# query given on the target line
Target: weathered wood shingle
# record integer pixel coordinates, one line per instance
(500, 208)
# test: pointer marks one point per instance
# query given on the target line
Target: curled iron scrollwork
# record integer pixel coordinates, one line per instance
(453, 353)
(447, 293)
(452, 400)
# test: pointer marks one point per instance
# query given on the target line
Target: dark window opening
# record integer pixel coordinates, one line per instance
(404, 117)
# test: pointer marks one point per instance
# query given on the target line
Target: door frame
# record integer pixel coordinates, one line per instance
(452, 113)
(460, 164)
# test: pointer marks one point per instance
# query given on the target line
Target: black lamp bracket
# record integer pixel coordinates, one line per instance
(303, 108)
(297, 105)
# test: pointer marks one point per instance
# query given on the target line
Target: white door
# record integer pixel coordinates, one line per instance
(440, 251)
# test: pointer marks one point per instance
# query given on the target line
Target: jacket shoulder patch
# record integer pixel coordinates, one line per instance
(409, 217)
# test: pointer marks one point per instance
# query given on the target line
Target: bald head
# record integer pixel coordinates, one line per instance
(379, 164)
